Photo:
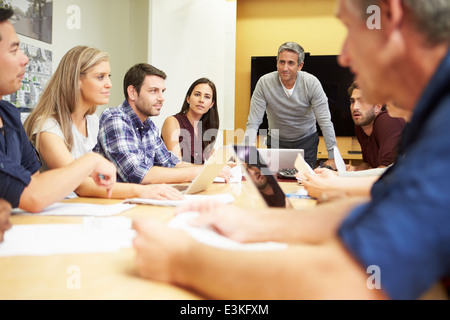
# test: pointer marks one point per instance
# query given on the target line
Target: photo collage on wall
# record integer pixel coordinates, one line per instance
(38, 72)
(33, 19)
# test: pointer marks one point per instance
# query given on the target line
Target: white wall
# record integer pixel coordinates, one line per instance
(187, 39)
(119, 27)
(191, 39)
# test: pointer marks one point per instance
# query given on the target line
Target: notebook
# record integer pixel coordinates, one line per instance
(257, 172)
(211, 168)
(277, 159)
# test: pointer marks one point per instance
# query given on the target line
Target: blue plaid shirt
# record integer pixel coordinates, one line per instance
(134, 147)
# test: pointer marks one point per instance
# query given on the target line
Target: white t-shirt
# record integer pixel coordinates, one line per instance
(81, 144)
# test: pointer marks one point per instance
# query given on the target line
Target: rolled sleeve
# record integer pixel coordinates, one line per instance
(11, 188)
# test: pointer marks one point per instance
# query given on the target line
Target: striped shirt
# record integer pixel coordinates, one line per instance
(134, 147)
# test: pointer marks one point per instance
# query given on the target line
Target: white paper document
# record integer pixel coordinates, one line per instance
(302, 166)
(80, 209)
(214, 239)
(339, 161)
(94, 235)
(223, 198)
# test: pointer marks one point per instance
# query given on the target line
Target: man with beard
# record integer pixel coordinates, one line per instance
(130, 139)
(376, 131)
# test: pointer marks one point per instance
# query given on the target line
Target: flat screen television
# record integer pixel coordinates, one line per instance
(335, 81)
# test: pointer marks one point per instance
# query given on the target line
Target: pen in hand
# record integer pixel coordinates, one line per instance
(102, 180)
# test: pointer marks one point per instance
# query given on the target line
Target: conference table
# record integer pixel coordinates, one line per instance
(102, 275)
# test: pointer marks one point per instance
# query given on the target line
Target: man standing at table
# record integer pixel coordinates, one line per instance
(294, 101)
(21, 183)
(396, 244)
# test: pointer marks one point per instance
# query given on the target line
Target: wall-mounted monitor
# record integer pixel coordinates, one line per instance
(335, 81)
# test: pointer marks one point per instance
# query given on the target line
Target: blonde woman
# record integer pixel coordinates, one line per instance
(63, 125)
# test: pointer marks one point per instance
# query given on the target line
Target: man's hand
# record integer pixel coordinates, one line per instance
(331, 163)
(323, 185)
(5, 212)
(225, 173)
(160, 192)
(104, 174)
(229, 221)
(157, 247)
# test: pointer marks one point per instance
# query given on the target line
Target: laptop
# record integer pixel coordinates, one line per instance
(211, 168)
(257, 172)
(281, 161)
(277, 159)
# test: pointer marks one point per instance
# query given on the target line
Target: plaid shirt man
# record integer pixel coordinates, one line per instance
(134, 147)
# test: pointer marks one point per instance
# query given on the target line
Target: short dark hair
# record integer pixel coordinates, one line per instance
(135, 76)
(5, 14)
(353, 86)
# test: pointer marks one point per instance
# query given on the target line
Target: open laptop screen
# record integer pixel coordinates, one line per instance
(261, 176)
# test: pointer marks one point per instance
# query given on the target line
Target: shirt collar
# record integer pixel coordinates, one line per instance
(137, 123)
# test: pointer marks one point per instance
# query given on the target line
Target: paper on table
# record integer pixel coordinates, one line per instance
(236, 175)
(223, 198)
(94, 235)
(80, 209)
(339, 161)
(214, 239)
(302, 166)
(299, 194)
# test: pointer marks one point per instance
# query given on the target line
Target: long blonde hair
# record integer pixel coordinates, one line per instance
(62, 93)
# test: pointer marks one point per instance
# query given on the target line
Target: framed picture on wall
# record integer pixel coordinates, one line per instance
(37, 73)
(33, 18)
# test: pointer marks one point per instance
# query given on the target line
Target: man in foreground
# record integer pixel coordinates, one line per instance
(400, 235)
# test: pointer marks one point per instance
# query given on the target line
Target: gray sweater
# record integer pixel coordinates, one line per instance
(291, 118)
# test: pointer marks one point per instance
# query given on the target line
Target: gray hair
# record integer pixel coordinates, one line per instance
(431, 17)
(293, 47)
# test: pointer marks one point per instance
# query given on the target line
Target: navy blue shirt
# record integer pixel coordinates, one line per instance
(18, 158)
(405, 229)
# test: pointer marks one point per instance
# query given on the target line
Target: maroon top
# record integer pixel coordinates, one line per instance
(380, 148)
(191, 146)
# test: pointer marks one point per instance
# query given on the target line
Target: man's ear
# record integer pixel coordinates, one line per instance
(132, 93)
(393, 13)
(377, 109)
(300, 66)
(392, 23)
